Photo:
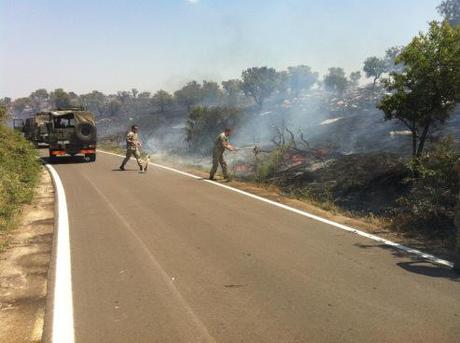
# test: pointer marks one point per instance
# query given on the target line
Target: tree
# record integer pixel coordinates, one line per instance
(374, 67)
(20, 104)
(162, 99)
(390, 60)
(114, 107)
(354, 78)
(232, 89)
(6, 101)
(144, 95)
(94, 101)
(301, 78)
(211, 92)
(336, 80)
(124, 97)
(450, 10)
(3, 114)
(39, 99)
(259, 83)
(60, 98)
(427, 91)
(189, 95)
(204, 123)
(282, 84)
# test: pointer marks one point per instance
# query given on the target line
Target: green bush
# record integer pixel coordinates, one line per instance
(269, 166)
(430, 203)
(19, 172)
(205, 123)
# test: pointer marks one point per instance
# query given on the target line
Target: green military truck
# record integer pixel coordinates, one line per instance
(35, 128)
(71, 133)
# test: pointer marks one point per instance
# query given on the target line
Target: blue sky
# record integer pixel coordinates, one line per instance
(119, 44)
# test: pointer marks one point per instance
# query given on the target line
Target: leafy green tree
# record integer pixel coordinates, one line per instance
(204, 123)
(190, 95)
(354, 78)
(375, 67)
(162, 99)
(336, 80)
(301, 79)
(450, 10)
(259, 83)
(427, 91)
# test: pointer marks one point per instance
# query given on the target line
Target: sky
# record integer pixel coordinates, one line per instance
(113, 45)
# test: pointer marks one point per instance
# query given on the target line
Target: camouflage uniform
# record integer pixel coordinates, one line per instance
(457, 224)
(132, 149)
(218, 155)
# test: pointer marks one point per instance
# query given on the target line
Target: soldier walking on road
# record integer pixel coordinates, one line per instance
(221, 144)
(132, 147)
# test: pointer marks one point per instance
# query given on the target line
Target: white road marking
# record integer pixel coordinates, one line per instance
(398, 246)
(63, 323)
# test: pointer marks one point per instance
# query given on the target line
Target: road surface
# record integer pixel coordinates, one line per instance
(162, 257)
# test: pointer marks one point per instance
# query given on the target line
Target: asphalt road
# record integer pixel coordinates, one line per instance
(162, 257)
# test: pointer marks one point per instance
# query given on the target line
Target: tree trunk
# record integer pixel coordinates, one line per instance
(423, 139)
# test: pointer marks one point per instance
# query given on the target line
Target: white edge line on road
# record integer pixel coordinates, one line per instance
(62, 317)
(398, 246)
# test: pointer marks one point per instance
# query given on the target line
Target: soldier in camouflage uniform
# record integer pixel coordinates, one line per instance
(457, 224)
(132, 147)
(221, 144)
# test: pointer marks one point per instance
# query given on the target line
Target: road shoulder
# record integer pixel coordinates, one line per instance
(25, 263)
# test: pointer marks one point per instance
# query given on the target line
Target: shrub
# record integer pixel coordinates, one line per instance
(19, 171)
(204, 124)
(430, 203)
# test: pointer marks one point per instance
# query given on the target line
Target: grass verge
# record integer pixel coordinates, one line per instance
(19, 173)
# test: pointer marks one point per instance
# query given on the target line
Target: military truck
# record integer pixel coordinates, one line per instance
(71, 133)
(35, 128)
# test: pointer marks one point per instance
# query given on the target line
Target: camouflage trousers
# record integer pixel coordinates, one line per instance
(132, 152)
(218, 158)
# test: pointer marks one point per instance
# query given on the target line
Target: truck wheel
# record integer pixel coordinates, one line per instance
(91, 157)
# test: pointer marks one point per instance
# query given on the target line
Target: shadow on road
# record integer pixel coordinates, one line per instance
(126, 170)
(432, 270)
(418, 265)
(66, 160)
